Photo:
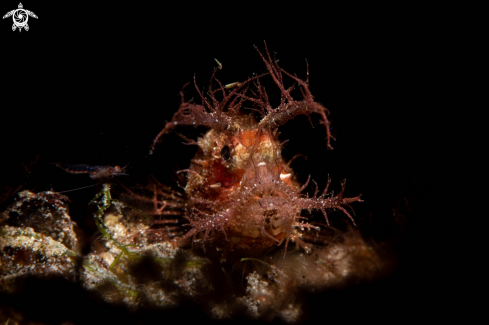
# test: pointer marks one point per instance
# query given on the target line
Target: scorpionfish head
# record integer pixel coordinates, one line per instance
(242, 192)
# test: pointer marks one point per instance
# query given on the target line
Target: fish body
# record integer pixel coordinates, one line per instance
(241, 194)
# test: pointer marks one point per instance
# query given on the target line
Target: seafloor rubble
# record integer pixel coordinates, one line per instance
(128, 265)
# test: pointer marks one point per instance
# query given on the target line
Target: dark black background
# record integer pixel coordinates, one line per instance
(94, 84)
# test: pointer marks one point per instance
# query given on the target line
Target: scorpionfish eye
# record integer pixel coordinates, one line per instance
(225, 152)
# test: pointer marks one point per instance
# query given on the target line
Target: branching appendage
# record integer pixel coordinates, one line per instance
(211, 112)
(202, 222)
(290, 108)
(334, 202)
(159, 204)
(165, 201)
